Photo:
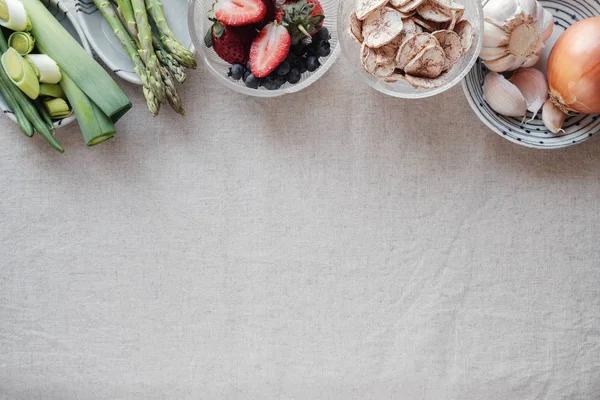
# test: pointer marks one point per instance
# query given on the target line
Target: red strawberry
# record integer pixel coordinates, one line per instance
(231, 43)
(239, 12)
(303, 18)
(269, 49)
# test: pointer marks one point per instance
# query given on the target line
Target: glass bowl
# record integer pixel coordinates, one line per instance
(351, 51)
(199, 24)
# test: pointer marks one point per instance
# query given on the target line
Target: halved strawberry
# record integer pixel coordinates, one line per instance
(269, 49)
(239, 12)
(231, 43)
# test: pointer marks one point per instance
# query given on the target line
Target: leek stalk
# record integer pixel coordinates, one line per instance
(52, 39)
(95, 126)
(47, 132)
(57, 108)
(22, 42)
(13, 16)
(52, 90)
(22, 120)
(21, 73)
(46, 68)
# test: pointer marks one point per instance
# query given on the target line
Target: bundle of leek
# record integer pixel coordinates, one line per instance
(61, 78)
(159, 58)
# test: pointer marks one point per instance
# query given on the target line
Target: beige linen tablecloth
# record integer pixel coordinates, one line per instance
(332, 244)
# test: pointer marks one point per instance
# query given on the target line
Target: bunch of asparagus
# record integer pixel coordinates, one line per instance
(159, 59)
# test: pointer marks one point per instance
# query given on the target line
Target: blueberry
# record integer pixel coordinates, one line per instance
(236, 72)
(324, 50)
(283, 68)
(252, 82)
(312, 63)
(271, 83)
(246, 74)
(294, 76)
(323, 34)
(302, 65)
(248, 65)
(298, 49)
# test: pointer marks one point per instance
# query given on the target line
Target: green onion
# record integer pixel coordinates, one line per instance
(57, 108)
(21, 73)
(22, 42)
(52, 90)
(53, 40)
(95, 126)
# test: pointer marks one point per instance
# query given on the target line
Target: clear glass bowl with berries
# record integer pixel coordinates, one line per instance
(411, 48)
(265, 48)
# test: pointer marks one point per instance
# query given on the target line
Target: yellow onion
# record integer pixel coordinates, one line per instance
(574, 68)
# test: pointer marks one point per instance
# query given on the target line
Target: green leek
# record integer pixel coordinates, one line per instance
(22, 120)
(57, 108)
(46, 68)
(22, 42)
(52, 90)
(30, 110)
(52, 39)
(95, 126)
(21, 73)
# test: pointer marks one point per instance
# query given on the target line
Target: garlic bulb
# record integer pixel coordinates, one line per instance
(504, 97)
(514, 33)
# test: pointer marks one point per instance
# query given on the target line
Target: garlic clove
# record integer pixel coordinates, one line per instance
(498, 12)
(494, 36)
(492, 53)
(553, 117)
(533, 86)
(509, 62)
(548, 25)
(503, 97)
(528, 6)
(531, 60)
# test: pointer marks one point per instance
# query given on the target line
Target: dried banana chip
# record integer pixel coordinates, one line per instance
(466, 32)
(398, 3)
(411, 6)
(429, 63)
(381, 27)
(396, 76)
(433, 12)
(426, 25)
(378, 62)
(456, 16)
(450, 4)
(366, 7)
(412, 46)
(426, 83)
(356, 28)
(450, 42)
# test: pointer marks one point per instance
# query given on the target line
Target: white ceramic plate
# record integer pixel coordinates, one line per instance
(62, 14)
(534, 134)
(109, 48)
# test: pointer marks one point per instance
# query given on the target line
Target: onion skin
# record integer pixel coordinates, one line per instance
(573, 68)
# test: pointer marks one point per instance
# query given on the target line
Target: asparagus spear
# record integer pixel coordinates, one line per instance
(146, 50)
(183, 55)
(130, 47)
(126, 10)
(172, 95)
(167, 60)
